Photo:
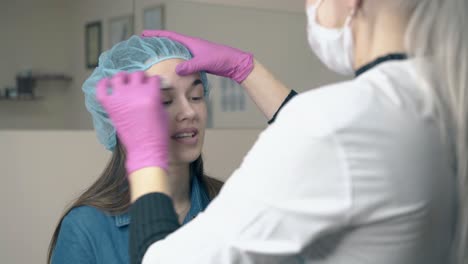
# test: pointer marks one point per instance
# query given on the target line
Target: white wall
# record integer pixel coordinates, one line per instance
(42, 172)
(296, 6)
(35, 35)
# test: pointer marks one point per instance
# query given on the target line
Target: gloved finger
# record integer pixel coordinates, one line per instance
(137, 78)
(184, 40)
(154, 83)
(103, 89)
(119, 80)
(190, 67)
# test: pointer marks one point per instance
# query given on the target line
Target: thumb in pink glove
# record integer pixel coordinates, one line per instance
(133, 103)
(210, 57)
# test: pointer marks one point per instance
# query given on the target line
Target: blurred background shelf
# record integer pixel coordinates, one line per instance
(26, 84)
(21, 99)
(50, 77)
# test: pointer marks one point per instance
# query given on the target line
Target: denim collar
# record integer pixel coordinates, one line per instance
(199, 201)
(122, 220)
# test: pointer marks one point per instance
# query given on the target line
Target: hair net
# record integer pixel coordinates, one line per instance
(134, 54)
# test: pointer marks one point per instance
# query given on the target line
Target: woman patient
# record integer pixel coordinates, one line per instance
(95, 228)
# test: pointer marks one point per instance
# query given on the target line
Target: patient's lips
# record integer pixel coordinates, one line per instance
(186, 136)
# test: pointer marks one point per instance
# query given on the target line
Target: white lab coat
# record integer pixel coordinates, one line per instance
(355, 172)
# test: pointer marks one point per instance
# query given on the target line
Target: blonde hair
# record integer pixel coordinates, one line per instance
(438, 32)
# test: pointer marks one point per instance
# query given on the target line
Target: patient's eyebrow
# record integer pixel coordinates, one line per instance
(195, 83)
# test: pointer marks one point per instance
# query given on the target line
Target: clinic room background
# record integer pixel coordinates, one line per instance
(48, 150)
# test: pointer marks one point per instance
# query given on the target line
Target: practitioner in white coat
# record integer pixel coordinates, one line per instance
(371, 170)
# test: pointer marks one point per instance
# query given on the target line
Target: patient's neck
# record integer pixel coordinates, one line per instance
(179, 179)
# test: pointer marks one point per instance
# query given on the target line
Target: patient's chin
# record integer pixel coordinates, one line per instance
(186, 157)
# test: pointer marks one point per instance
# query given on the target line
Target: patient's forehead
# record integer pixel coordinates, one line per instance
(166, 69)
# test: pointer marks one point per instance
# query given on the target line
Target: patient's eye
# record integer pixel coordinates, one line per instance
(166, 98)
(197, 94)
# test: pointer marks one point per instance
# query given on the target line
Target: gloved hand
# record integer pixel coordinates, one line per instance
(133, 103)
(210, 57)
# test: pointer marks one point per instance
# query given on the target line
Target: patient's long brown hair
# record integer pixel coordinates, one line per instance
(110, 193)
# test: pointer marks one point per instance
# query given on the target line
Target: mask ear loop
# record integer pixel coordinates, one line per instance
(348, 19)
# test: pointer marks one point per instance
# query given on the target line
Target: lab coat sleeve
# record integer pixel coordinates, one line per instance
(291, 189)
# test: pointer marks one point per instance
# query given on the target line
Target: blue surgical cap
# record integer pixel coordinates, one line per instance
(134, 54)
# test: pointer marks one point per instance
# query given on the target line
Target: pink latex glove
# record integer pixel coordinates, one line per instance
(210, 57)
(133, 103)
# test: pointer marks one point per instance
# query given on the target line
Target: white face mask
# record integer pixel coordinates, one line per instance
(334, 47)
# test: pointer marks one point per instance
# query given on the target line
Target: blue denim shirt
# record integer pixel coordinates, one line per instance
(89, 235)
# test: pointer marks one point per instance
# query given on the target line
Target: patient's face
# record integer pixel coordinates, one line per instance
(186, 106)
